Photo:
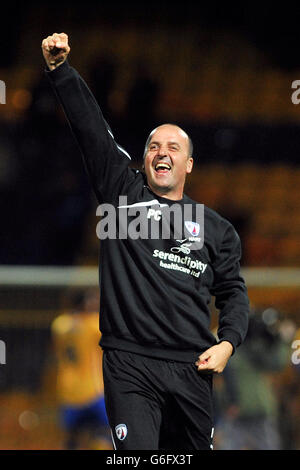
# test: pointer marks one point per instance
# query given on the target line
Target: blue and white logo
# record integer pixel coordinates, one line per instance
(192, 227)
(121, 431)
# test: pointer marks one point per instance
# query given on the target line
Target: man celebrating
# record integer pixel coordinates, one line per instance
(159, 353)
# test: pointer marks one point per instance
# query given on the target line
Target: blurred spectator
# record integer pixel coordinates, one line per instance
(79, 374)
(250, 419)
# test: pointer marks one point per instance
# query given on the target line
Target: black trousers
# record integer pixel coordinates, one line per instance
(154, 404)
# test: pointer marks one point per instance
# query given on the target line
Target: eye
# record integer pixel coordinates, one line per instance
(153, 146)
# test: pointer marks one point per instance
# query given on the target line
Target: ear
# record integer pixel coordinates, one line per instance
(189, 164)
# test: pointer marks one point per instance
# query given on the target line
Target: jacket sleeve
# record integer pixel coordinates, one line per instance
(106, 161)
(229, 289)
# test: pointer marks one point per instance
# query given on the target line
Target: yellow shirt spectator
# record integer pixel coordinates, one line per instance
(79, 358)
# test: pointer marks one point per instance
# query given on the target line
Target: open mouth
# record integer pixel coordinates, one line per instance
(162, 167)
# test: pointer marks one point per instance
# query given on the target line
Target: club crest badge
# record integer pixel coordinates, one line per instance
(192, 227)
(121, 431)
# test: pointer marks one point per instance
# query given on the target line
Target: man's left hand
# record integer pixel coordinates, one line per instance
(215, 358)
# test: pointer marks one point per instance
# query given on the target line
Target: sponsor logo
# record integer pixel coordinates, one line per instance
(183, 248)
(121, 431)
(175, 262)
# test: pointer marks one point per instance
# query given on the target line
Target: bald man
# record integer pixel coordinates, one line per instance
(159, 355)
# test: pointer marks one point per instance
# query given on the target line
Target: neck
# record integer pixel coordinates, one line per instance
(173, 194)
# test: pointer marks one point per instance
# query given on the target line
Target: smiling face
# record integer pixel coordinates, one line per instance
(167, 161)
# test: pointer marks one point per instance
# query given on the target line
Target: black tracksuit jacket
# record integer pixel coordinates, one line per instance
(152, 301)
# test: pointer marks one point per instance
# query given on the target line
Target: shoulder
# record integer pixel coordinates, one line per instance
(136, 180)
(215, 218)
(212, 218)
(221, 231)
(218, 231)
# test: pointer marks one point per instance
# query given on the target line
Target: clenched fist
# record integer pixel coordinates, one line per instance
(55, 49)
(215, 358)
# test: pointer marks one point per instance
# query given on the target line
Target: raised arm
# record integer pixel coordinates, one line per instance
(105, 160)
(55, 50)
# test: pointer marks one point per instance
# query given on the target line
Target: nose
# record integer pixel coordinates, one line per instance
(162, 151)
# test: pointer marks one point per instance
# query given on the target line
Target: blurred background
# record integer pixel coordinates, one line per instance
(225, 75)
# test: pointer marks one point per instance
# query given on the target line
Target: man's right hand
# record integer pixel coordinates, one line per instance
(55, 49)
